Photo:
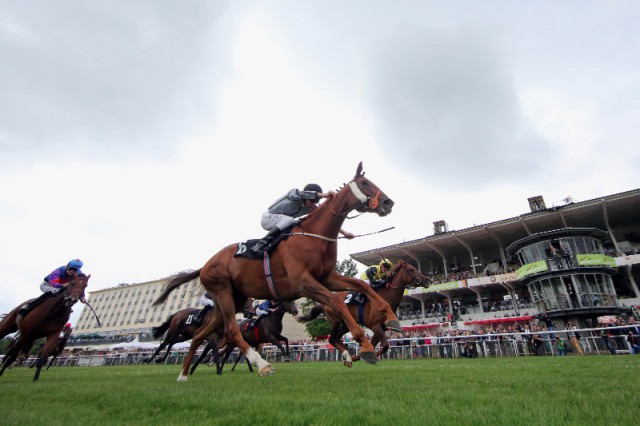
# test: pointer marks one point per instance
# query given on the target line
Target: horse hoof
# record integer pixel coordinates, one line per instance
(267, 370)
(182, 378)
(369, 357)
(393, 325)
(348, 364)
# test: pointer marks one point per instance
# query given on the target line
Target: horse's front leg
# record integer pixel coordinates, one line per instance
(49, 346)
(338, 329)
(224, 298)
(316, 291)
(338, 282)
(281, 338)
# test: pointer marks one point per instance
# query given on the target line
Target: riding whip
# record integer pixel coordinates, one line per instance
(94, 313)
(371, 233)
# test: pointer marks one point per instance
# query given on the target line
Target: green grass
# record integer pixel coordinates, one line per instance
(510, 391)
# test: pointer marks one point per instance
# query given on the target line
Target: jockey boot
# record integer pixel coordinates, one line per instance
(203, 312)
(27, 307)
(262, 244)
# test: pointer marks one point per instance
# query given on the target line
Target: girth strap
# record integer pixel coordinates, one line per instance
(266, 265)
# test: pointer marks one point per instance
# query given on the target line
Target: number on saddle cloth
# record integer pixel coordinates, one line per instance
(354, 298)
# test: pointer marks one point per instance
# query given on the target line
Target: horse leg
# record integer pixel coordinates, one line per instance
(338, 282)
(378, 337)
(223, 360)
(236, 362)
(232, 331)
(287, 354)
(50, 344)
(200, 358)
(338, 330)
(15, 348)
(157, 351)
(321, 294)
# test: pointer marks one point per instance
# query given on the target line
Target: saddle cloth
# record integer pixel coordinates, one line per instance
(244, 247)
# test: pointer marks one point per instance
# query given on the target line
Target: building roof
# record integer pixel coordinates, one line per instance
(612, 211)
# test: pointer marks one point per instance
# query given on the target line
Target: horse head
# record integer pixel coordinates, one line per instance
(408, 275)
(370, 197)
(289, 307)
(75, 289)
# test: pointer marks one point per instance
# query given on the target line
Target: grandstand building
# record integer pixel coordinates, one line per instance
(507, 269)
(127, 309)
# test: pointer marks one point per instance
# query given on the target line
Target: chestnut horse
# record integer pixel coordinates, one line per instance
(301, 266)
(265, 330)
(402, 276)
(45, 320)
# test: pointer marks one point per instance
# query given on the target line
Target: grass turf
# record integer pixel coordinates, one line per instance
(503, 391)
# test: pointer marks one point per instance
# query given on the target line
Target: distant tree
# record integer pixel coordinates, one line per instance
(320, 326)
(347, 268)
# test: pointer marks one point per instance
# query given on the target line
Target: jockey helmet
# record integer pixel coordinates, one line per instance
(67, 325)
(313, 187)
(386, 262)
(75, 263)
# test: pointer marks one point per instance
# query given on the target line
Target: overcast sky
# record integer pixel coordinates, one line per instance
(143, 136)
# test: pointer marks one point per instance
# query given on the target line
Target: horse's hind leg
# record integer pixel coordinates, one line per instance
(201, 357)
(232, 331)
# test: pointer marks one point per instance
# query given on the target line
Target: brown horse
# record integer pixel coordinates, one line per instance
(265, 330)
(179, 328)
(402, 276)
(301, 266)
(60, 345)
(45, 320)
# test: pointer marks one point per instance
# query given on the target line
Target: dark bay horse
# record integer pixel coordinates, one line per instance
(402, 275)
(301, 266)
(179, 330)
(45, 320)
(266, 330)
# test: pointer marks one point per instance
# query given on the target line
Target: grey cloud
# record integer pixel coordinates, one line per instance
(446, 107)
(104, 77)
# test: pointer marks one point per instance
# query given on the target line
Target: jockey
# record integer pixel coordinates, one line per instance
(207, 302)
(285, 212)
(66, 330)
(265, 308)
(375, 275)
(58, 279)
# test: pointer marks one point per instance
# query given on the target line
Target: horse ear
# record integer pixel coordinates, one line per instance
(88, 276)
(359, 170)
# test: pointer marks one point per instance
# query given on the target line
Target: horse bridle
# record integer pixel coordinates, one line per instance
(416, 281)
(371, 203)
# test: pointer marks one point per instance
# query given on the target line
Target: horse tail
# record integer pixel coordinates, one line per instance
(159, 330)
(174, 282)
(314, 313)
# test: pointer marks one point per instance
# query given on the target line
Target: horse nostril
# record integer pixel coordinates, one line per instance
(388, 203)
